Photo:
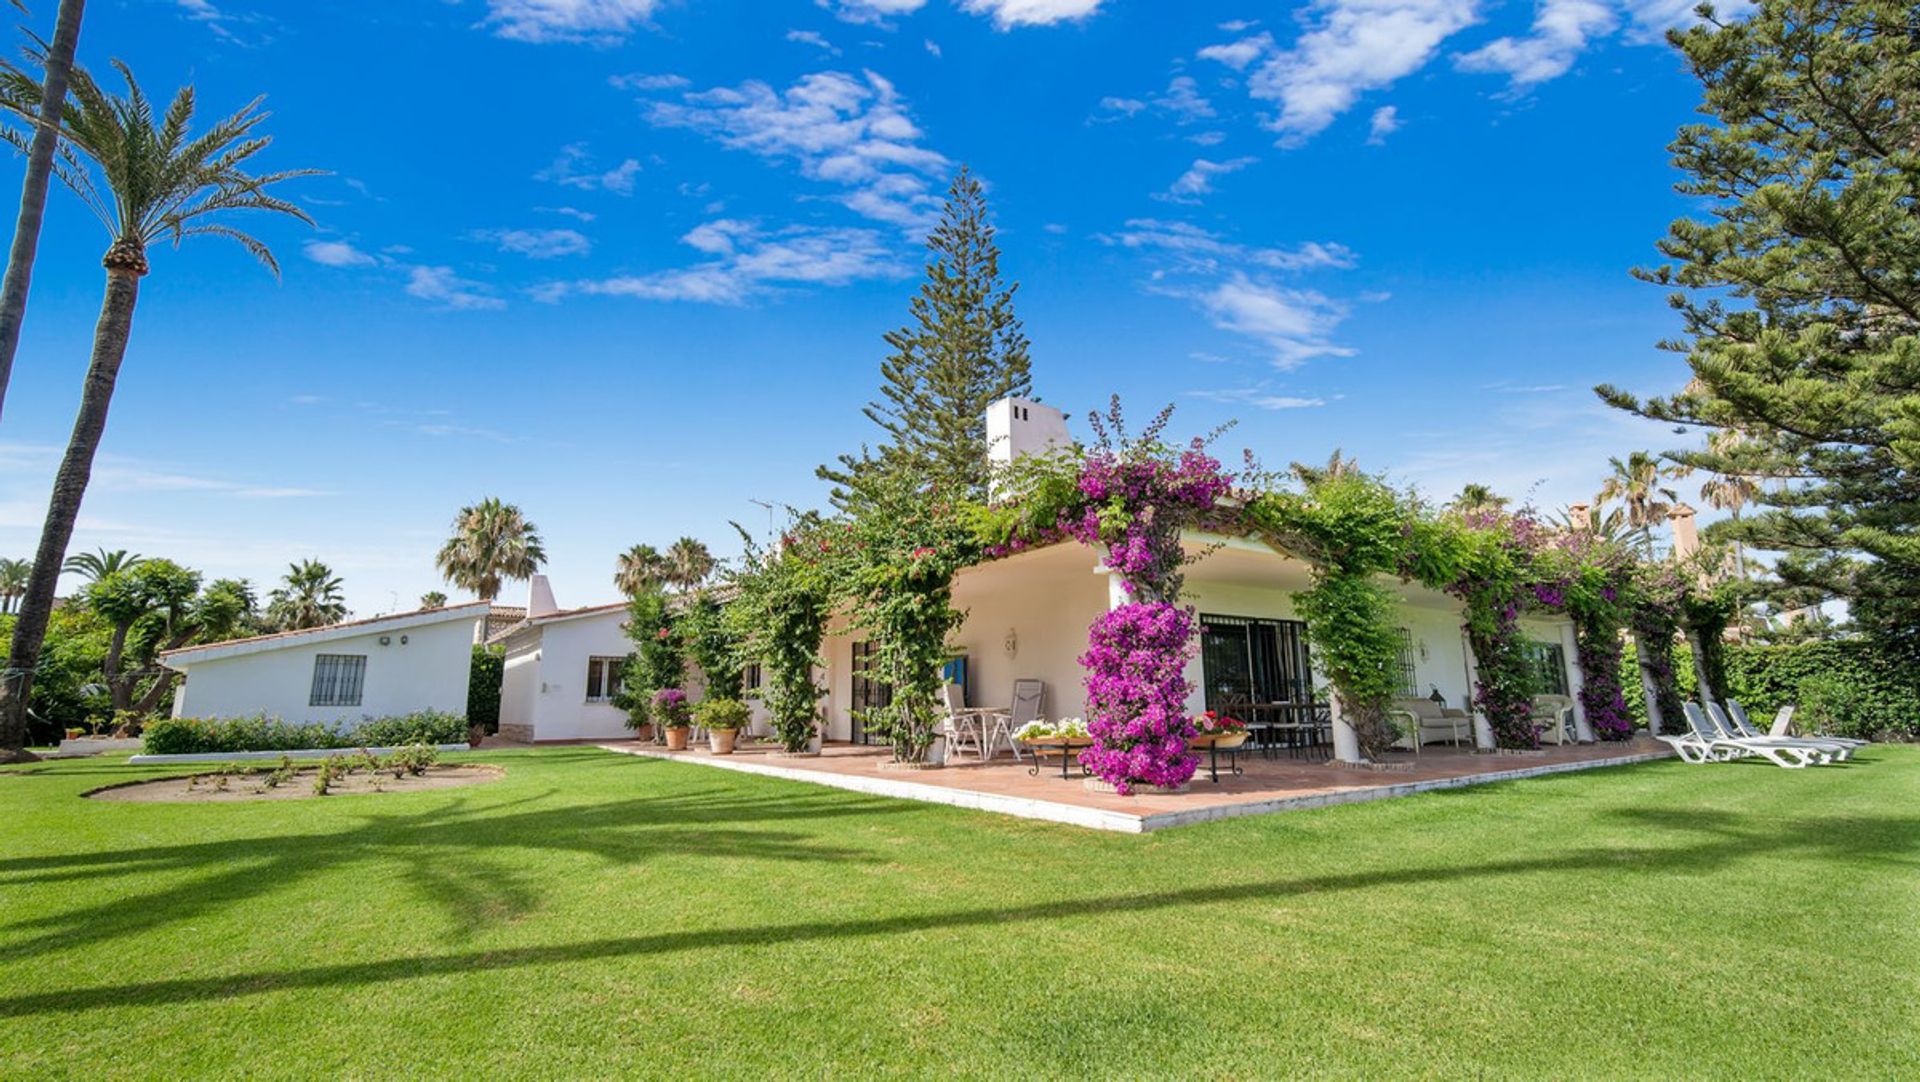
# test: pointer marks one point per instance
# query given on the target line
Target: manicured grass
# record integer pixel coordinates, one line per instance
(595, 915)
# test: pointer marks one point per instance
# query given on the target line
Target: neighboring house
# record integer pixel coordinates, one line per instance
(382, 667)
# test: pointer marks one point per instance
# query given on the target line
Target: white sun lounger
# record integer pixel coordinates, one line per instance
(1789, 755)
(1782, 726)
(1833, 748)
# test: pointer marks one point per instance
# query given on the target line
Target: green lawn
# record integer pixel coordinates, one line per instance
(597, 915)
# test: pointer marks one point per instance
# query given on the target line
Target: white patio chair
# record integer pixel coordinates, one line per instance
(1028, 697)
(1554, 715)
(962, 726)
(1723, 747)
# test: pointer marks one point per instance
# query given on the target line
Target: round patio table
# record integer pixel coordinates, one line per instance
(1065, 746)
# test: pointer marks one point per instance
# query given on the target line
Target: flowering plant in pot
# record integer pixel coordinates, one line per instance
(723, 719)
(671, 711)
(1213, 728)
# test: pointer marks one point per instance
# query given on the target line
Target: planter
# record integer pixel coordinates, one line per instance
(642, 732)
(722, 741)
(677, 738)
(476, 734)
(1223, 741)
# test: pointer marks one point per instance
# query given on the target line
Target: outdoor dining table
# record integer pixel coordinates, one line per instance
(976, 719)
(1066, 746)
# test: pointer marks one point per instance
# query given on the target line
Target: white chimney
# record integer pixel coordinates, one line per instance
(540, 597)
(1020, 426)
(1686, 533)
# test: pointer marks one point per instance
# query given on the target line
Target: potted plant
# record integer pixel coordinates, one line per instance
(1212, 729)
(675, 717)
(722, 719)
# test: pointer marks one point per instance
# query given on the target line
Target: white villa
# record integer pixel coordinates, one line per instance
(1027, 618)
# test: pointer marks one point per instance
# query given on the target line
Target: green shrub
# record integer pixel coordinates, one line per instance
(722, 714)
(483, 687)
(1852, 688)
(194, 736)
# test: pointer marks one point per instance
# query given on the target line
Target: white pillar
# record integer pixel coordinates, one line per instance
(1570, 643)
(1702, 686)
(1482, 730)
(1648, 692)
(1346, 742)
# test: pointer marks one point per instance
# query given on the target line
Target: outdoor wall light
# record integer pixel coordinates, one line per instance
(1423, 649)
(403, 640)
(1012, 642)
(386, 640)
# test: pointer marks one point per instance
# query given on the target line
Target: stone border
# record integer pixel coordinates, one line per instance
(1124, 822)
(257, 756)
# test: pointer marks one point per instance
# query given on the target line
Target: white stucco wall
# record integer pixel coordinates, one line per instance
(428, 671)
(1047, 606)
(553, 695)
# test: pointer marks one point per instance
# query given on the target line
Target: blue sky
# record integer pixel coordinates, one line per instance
(627, 263)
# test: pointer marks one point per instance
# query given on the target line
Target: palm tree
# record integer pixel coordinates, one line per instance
(639, 569)
(1475, 496)
(433, 599)
(1636, 485)
(39, 152)
(309, 596)
(491, 541)
(688, 563)
(154, 181)
(1338, 465)
(98, 564)
(13, 582)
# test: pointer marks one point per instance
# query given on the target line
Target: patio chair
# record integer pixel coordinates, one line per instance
(1434, 720)
(1790, 755)
(1782, 726)
(1028, 697)
(961, 727)
(1554, 715)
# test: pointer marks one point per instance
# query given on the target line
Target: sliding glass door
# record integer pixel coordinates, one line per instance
(1249, 660)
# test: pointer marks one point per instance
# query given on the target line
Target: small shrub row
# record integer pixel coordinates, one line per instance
(195, 736)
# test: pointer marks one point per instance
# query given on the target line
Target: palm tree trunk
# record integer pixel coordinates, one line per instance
(33, 190)
(69, 487)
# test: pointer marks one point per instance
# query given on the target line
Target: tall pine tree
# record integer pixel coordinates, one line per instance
(1801, 296)
(961, 349)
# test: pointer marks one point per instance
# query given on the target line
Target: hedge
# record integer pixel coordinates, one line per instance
(194, 736)
(483, 687)
(1861, 692)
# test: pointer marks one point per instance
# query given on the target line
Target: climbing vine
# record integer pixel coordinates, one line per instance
(782, 602)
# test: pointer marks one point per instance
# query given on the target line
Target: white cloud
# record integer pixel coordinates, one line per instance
(1350, 47)
(748, 261)
(1259, 398)
(933, 47)
(1386, 121)
(853, 133)
(813, 38)
(1561, 29)
(1238, 54)
(336, 253)
(1184, 100)
(1008, 14)
(442, 287)
(643, 81)
(1295, 324)
(1198, 179)
(538, 243)
(567, 20)
(573, 168)
(871, 12)
(1197, 250)
(1123, 106)
(569, 212)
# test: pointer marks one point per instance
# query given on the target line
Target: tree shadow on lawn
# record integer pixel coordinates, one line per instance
(1721, 840)
(447, 850)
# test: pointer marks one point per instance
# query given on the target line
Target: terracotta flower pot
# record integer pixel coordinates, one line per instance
(720, 740)
(677, 738)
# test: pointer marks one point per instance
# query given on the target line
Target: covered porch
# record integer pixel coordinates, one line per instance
(1250, 784)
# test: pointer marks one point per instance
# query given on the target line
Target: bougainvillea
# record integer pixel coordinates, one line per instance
(781, 604)
(1137, 696)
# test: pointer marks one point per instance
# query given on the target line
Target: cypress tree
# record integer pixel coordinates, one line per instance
(961, 349)
(1800, 296)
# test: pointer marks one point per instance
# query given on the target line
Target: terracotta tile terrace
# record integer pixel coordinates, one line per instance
(1265, 785)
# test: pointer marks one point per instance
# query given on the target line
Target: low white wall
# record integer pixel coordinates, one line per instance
(427, 672)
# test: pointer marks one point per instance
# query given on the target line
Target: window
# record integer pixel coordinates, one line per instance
(1548, 660)
(752, 677)
(1409, 680)
(603, 678)
(338, 679)
(1245, 661)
